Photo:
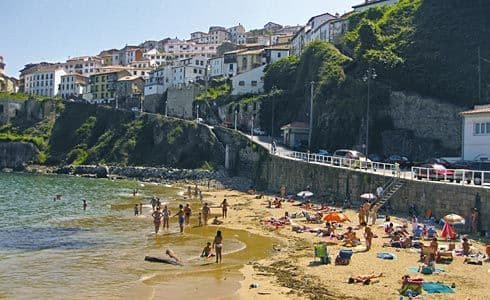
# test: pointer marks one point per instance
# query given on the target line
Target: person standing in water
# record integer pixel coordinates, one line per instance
(157, 219)
(136, 210)
(218, 245)
(166, 217)
(224, 207)
(181, 214)
(187, 213)
(84, 204)
(205, 213)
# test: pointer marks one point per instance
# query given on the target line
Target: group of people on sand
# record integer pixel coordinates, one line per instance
(195, 192)
(367, 210)
(163, 214)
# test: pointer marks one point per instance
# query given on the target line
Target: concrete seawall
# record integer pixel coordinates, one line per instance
(338, 183)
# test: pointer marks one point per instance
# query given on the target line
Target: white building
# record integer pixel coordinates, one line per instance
(129, 54)
(251, 82)
(372, 3)
(476, 133)
(83, 65)
(73, 86)
(309, 32)
(216, 67)
(189, 70)
(44, 81)
(238, 34)
(156, 57)
(159, 80)
(274, 54)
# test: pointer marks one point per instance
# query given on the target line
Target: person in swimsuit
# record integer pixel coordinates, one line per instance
(181, 214)
(166, 217)
(368, 235)
(136, 210)
(205, 213)
(157, 219)
(207, 251)
(172, 255)
(364, 279)
(224, 206)
(218, 245)
(187, 211)
(84, 204)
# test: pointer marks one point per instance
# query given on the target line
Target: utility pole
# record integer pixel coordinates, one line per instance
(235, 117)
(312, 84)
(479, 76)
(252, 129)
(272, 113)
(197, 113)
(370, 74)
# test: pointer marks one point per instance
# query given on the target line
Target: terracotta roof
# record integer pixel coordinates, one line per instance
(296, 125)
(479, 109)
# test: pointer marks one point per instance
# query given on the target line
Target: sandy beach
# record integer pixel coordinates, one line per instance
(292, 272)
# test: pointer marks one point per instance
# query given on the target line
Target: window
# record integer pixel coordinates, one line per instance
(279, 55)
(481, 128)
(254, 83)
(241, 83)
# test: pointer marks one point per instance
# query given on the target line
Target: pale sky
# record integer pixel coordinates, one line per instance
(53, 30)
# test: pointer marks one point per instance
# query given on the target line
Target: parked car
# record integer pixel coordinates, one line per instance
(352, 158)
(440, 172)
(323, 152)
(403, 161)
(439, 161)
(258, 131)
(375, 157)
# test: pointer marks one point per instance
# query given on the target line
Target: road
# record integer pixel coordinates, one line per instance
(283, 152)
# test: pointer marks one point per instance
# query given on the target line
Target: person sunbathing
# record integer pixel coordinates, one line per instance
(329, 230)
(389, 229)
(406, 242)
(433, 244)
(364, 279)
(350, 238)
(394, 242)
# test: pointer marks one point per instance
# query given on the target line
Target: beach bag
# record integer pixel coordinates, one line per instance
(343, 258)
(427, 270)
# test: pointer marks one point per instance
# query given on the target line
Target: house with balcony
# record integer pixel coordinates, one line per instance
(129, 92)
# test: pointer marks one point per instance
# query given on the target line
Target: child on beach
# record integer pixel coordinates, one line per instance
(216, 221)
(368, 235)
(207, 252)
(466, 246)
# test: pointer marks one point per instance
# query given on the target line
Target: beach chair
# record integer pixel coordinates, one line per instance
(322, 253)
(431, 232)
(344, 257)
(417, 233)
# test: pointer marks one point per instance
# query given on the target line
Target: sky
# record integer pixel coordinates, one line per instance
(53, 30)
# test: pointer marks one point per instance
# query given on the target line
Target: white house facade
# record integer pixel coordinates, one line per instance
(216, 67)
(159, 80)
(73, 85)
(251, 82)
(44, 82)
(83, 65)
(476, 133)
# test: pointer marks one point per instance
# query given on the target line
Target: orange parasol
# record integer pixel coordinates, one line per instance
(453, 218)
(335, 217)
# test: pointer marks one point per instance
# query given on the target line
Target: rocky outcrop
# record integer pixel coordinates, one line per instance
(16, 155)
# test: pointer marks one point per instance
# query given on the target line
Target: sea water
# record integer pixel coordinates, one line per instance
(53, 248)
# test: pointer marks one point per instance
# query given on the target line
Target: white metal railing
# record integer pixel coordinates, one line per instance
(463, 176)
(343, 162)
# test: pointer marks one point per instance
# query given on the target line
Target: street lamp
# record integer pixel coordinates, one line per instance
(368, 76)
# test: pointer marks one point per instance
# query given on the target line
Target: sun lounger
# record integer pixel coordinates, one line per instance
(344, 257)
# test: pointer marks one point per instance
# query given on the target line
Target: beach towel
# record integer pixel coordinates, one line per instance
(416, 270)
(386, 255)
(436, 288)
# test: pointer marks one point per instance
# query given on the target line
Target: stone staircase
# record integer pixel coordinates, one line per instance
(390, 189)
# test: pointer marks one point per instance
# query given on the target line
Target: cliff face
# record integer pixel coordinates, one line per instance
(15, 155)
(85, 134)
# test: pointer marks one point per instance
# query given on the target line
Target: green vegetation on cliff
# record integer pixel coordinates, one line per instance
(85, 134)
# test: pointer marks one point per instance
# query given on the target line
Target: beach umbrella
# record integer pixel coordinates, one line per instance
(448, 232)
(305, 194)
(335, 217)
(368, 196)
(453, 219)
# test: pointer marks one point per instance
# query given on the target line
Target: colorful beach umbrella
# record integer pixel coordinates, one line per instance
(335, 217)
(368, 196)
(448, 232)
(305, 194)
(453, 219)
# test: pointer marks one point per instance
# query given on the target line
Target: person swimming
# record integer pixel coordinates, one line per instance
(172, 255)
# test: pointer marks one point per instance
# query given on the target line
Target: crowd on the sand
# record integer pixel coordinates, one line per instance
(416, 233)
(162, 215)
